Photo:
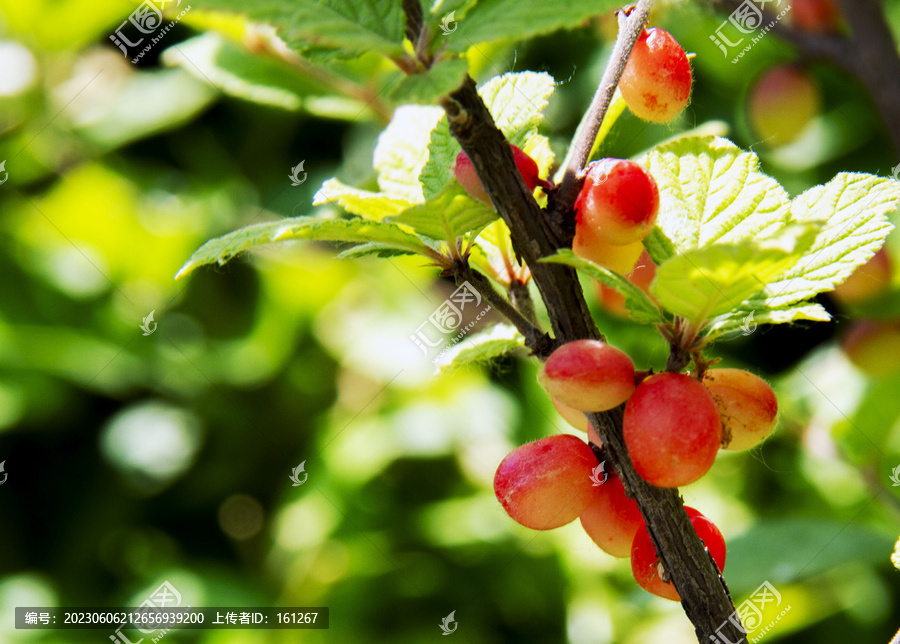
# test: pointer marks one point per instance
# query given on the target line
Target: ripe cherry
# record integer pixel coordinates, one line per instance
(672, 429)
(588, 375)
(468, 178)
(546, 484)
(619, 201)
(647, 568)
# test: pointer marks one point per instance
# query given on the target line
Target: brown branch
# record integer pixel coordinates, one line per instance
(538, 341)
(704, 597)
(562, 200)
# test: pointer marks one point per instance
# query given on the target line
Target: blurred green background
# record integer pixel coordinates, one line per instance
(134, 458)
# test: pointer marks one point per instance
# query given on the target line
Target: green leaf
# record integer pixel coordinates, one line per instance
(805, 548)
(711, 191)
(222, 249)
(658, 246)
(640, 307)
(480, 348)
(402, 151)
(447, 216)
(702, 283)
(854, 208)
(378, 250)
(371, 205)
(442, 152)
(427, 87)
(492, 20)
(345, 27)
(744, 321)
(517, 102)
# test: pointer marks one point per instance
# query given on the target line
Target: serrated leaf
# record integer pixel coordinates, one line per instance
(377, 250)
(480, 348)
(517, 102)
(711, 191)
(640, 307)
(447, 216)
(492, 20)
(442, 152)
(402, 151)
(371, 205)
(427, 87)
(705, 282)
(222, 249)
(854, 208)
(733, 323)
(344, 27)
(658, 246)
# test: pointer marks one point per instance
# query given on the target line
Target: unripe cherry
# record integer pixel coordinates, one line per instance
(646, 565)
(588, 375)
(612, 519)
(546, 484)
(619, 200)
(468, 178)
(747, 406)
(588, 245)
(672, 429)
(656, 82)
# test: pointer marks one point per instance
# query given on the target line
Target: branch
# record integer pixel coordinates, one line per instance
(704, 596)
(538, 341)
(630, 27)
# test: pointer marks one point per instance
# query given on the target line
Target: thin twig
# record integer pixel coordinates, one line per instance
(630, 27)
(535, 339)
